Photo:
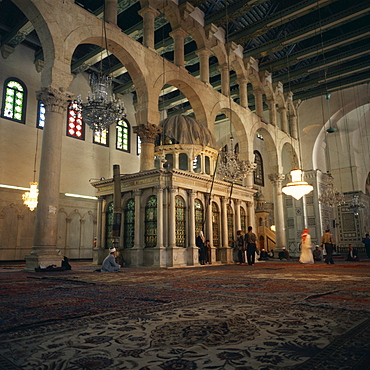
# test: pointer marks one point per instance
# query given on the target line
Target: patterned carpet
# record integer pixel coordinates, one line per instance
(273, 315)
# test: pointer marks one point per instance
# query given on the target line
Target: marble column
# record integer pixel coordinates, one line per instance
(249, 179)
(243, 94)
(284, 119)
(251, 215)
(171, 219)
(204, 55)
(225, 250)
(159, 257)
(258, 102)
(209, 226)
(293, 126)
(277, 180)
(46, 225)
(137, 252)
(225, 79)
(98, 255)
(147, 132)
(179, 36)
(237, 215)
(149, 14)
(193, 252)
(272, 111)
(111, 11)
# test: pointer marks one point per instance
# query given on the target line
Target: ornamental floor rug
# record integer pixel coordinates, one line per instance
(269, 316)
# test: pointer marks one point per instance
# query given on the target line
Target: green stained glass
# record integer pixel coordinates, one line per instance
(14, 99)
(129, 224)
(230, 225)
(180, 217)
(122, 136)
(151, 222)
(215, 225)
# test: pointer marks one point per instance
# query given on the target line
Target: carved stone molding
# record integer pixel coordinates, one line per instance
(147, 132)
(55, 100)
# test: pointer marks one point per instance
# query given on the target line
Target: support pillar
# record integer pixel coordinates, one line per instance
(178, 36)
(111, 11)
(293, 126)
(149, 14)
(251, 215)
(225, 79)
(277, 180)
(237, 215)
(209, 226)
(225, 250)
(284, 119)
(193, 252)
(137, 252)
(243, 94)
(147, 132)
(272, 111)
(159, 252)
(258, 102)
(98, 251)
(204, 55)
(46, 225)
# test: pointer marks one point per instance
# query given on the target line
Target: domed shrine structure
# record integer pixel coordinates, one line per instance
(165, 208)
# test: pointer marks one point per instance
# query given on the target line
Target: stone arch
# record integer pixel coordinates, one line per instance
(271, 147)
(289, 158)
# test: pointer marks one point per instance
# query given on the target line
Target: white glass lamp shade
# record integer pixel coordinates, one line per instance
(30, 197)
(297, 188)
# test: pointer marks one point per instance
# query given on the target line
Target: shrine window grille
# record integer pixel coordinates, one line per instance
(150, 222)
(14, 100)
(199, 214)
(180, 219)
(230, 225)
(243, 220)
(109, 226)
(216, 225)
(129, 224)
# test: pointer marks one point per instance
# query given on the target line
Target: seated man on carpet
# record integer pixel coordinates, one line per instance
(284, 255)
(263, 255)
(109, 264)
(317, 254)
(352, 254)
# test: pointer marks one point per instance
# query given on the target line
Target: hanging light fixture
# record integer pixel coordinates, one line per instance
(356, 206)
(331, 197)
(297, 188)
(101, 109)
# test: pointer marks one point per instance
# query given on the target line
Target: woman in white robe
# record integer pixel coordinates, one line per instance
(306, 248)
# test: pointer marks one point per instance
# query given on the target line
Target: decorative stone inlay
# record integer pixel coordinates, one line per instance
(55, 100)
(147, 132)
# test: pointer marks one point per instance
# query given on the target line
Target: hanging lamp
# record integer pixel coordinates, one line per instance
(297, 188)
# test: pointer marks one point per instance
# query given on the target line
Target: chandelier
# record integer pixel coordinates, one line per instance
(30, 197)
(331, 196)
(101, 109)
(297, 188)
(356, 206)
(231, 168)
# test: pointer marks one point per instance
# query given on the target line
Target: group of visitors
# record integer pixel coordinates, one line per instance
(204, 249)
(247, 247)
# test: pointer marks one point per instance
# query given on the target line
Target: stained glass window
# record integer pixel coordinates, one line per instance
(258, 172)
(123, 135)
(230, 225)
(138, 145)
(109, 226)
(243, 220)
(198, 216)
(14, 100)
(101, 137)
(129, 223)
(40, 115)
(215, 225)
(75, 125)
(196, 164)
(180, 221)
(151, 222)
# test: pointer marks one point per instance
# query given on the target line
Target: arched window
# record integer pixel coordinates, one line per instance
(123, 135)
(129, 223)
(215, 225)
(198, 216)
(109, 226)
(258, 172)
(40, 115)
(197, 164)
(183, 162)
(207, 163)
(243, 220)
(101, 137)
(75, 125)
(180, 219)
(14, 100)
(151, 222)
(230, 225)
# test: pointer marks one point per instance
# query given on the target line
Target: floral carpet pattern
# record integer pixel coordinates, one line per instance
(271, 316)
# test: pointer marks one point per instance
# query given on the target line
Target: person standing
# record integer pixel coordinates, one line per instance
(251, 240)
(109, 263)
(200, 243)
(366, 241)
(328, 242)
(241, 246)
(306, 246)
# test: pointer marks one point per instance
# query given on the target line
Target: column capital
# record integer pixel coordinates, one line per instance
(178, 32)
(276, 178)
(148, 10)
(250, 167)
(137, 193)
(173, 189)
(192, 193)
(147, 132)
(203, 52)
(55, 100)
(159, 188)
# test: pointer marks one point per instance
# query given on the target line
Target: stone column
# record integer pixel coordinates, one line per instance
(176, 160)
(284, 119)
(258, 102)
(204, 55)
(98, 251)
(111, 11)
(193, 251)
(178, 36)
(225, 79)
(251, 215)
(249, 179)
(46, 225)
(147, 132)
(225, 250)
(277, 180)
(293, 126)
(137, 252)
(171, 219)
(209, 226)
(272, 111)
(243, 95)
(237, 215)
(149, 14)
(159, 251)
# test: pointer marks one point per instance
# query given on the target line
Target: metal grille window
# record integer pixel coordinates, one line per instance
(230, 225)
(123, 136)
(243, 221)
(129, 224)
(75, 126)
(180, 221)
(151, 222)
(109, 226)
(215, 225)
(258, 172)
(198, 216)
(14, 100)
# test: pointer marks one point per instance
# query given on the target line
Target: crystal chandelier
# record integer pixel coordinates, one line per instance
(297, 188)
(30, 197)
(231, 168)
(101, 109)
(331, 196)
(356, 206)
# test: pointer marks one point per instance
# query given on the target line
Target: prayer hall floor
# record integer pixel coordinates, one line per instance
(273, 315)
